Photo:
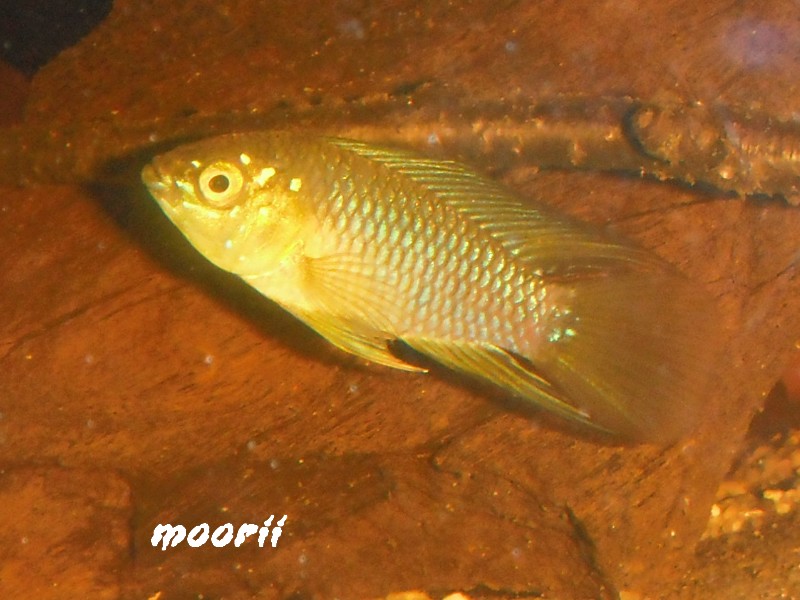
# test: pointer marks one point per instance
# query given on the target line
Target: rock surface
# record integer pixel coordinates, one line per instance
(138, 369)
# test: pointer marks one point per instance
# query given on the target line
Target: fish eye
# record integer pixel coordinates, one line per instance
(220, 183)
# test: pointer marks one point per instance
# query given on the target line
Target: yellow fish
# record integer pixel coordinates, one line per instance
(370, 245)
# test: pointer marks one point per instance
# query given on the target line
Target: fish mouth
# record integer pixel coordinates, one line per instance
(152, 178)
(161, 186)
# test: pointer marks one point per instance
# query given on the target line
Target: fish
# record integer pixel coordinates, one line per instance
(376, 248)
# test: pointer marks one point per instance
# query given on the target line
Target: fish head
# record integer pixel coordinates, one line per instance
(242, 212)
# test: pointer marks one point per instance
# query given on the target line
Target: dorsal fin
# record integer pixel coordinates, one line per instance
(547, 241)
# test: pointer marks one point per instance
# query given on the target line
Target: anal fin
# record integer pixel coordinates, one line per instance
(495, 365)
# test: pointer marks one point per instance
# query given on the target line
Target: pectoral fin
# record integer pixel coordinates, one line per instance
(353, 308)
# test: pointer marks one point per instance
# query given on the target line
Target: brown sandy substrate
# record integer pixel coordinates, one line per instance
(138, 385)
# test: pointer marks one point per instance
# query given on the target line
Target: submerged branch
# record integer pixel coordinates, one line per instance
(732, 151)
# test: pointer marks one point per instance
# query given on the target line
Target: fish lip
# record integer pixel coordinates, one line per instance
(152, 178)
(161, 186)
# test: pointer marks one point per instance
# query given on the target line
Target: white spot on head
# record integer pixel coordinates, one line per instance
(265, 175)
(295, 184)
(244, 158)
(185, 186)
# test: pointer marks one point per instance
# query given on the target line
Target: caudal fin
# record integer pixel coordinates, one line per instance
(634, 352)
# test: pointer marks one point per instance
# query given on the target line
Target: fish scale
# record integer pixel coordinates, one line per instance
(370, 245)
(423, 231)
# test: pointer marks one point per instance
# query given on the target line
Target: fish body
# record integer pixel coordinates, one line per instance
(371, 245)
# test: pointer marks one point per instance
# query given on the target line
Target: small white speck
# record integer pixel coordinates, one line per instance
(456, 596)
(252, 445)
(265, 175)
(274, 464)
(295, 184)
(186, 187)
(352, 28)
(228, 244)
(208, 359)
(726, 172)
(245, 158)
(196, 164)
(433, 139)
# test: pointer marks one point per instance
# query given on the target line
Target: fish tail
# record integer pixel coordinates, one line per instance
(634, 352)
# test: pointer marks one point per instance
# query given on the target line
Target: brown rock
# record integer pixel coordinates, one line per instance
(121, 351)
(65, 533)
(13, 94)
